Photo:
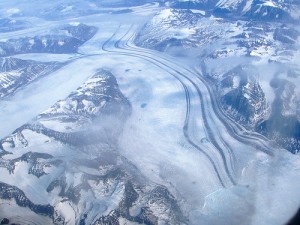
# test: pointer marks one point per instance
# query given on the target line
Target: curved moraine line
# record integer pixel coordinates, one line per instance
(111, 46)
(237, 131)
(208, 131)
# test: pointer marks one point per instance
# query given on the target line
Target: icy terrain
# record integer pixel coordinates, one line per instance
(143, 112)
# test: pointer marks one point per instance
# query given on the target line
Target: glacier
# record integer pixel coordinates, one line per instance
(149, 112)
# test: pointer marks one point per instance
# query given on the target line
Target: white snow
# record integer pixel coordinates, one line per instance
(74, 24)
(67, 211)
(44, 42)
(203, 13)
(247, 6)
(43, 93)
(153, 138)
(68, 8)
(269, 3)
(229, 4)
(31, 41)
(35, 139)
(184, 33)
(22, 215)
(163, 15)
(236, 81)
(45, 57)
(12, 11)
(61, 43)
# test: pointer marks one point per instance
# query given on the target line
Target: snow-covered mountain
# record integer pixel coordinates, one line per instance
(8, 25)
(174, 112)
(99, 186)
(65, 39)
(266, 10)
(68, 9)
(242, 97)
(245, 93)
(16, 73)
